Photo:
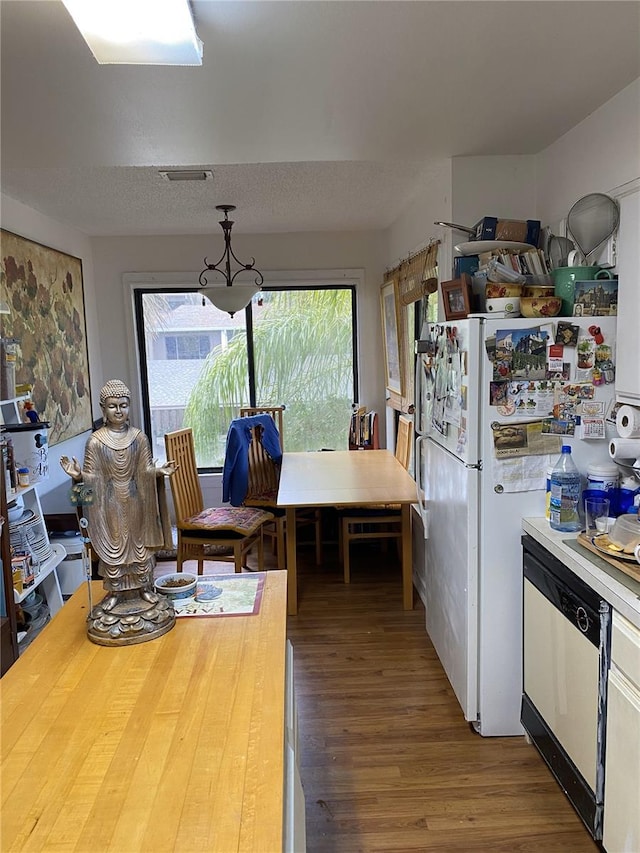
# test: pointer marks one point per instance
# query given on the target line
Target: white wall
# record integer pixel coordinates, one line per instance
(493, 186)
(416, 225)
(23, 220)
(501, 186)
(598, 155)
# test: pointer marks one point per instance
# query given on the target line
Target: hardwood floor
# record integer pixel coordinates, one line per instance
(386, 759)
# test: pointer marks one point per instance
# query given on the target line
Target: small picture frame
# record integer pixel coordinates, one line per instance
(456, 297)
(597, 298)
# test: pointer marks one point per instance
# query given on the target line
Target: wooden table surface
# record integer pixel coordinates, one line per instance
(172, 744)
(347, 478)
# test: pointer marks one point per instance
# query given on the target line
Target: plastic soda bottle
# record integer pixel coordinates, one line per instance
(565, 494)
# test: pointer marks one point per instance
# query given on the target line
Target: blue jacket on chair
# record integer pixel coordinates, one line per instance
(235, 474)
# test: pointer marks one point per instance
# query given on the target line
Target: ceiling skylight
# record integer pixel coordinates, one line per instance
(138, 32)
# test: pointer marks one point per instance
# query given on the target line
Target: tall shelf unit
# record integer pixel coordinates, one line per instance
(46, 580)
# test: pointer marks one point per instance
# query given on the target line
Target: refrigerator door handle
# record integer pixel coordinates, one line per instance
(422, 503)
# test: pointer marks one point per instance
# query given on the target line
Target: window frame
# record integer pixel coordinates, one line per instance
(138, 283)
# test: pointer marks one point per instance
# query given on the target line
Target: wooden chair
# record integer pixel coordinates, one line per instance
(276, 412)
(378, 521)
(238, 529)
(264, 478)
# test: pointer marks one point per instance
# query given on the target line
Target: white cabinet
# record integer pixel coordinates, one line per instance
(622, 763)
(628, 267)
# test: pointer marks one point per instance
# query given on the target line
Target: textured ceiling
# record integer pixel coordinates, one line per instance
(312, 115)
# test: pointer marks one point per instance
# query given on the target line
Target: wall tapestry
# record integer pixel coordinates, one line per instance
(43, 291)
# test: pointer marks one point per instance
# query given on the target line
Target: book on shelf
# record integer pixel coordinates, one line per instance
(363, 430)
(530, 262)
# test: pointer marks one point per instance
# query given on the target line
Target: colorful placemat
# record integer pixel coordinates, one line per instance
(224, 595)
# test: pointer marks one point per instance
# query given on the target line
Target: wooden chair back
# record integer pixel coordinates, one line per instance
(185, 485)
(264, 474)
(276, 412)
(264, 479)
(404, 441)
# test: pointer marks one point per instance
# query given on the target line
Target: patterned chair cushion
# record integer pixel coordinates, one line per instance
(212, 549)
(232, 519)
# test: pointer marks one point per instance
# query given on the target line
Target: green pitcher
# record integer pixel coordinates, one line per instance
(564, 281)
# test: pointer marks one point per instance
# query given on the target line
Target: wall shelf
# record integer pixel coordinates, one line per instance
(47, 568)
(47, 580)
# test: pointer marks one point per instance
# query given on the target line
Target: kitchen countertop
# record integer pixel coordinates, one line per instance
(621, 591)
(171, 745)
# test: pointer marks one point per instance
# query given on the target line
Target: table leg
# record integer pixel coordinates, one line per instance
(407, 559)
(292, 566)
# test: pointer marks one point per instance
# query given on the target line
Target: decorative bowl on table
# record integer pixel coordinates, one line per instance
(540, 306)
(177, 585)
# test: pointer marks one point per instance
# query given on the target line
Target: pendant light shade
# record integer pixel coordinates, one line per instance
(230, 299)
(226, 295)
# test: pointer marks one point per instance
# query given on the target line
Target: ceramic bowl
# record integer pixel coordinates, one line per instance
(502, 289)
(15, 509)
(177, 585)
(540, 306)
(538, 290)
(507, 307)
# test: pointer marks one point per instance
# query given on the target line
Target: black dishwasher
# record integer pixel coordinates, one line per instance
(566, 652)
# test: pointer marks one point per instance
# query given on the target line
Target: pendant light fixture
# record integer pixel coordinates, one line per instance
(229, 296)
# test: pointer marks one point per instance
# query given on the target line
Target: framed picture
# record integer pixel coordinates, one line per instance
(598, 298)
(456, 297)
(42, 288)
(393, 355)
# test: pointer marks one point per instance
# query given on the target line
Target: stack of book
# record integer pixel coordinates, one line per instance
(530, 262)
(363, 430)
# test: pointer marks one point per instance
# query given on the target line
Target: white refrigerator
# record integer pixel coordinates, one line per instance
(467, 530)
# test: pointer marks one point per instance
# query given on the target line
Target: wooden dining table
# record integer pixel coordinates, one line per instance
(345, 478)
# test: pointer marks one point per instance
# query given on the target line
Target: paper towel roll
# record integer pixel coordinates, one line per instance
(628, 422)
(624, 448)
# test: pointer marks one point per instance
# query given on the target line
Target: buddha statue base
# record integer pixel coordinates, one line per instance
(129, 617)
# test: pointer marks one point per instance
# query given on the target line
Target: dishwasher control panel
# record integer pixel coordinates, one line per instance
(567, 593)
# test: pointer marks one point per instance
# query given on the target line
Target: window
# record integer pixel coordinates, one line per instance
(187, 346)
(293, 346)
